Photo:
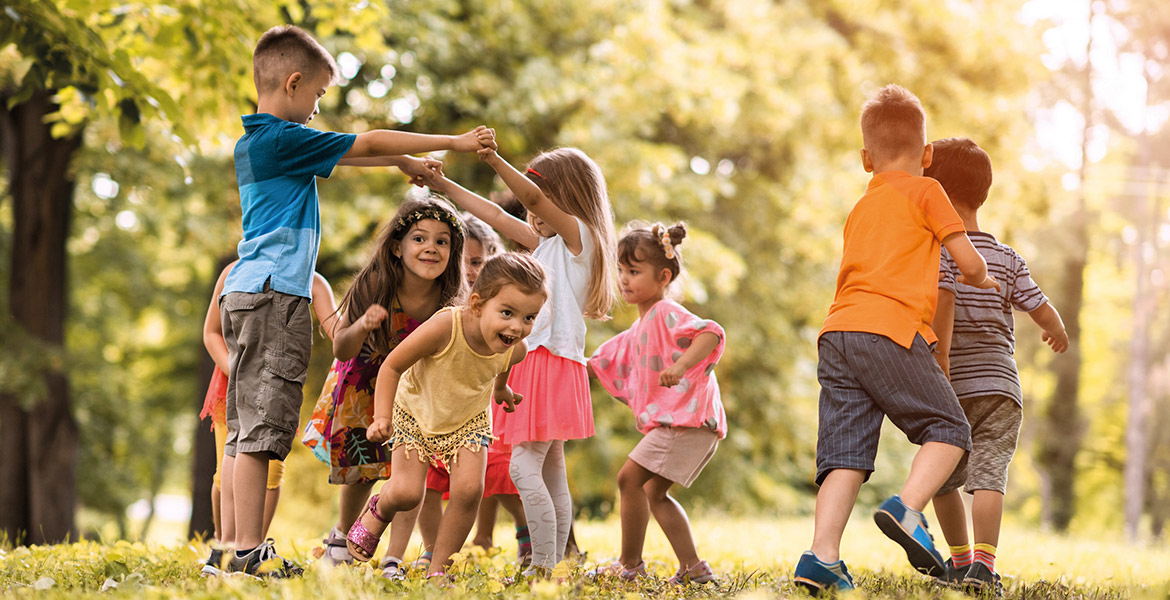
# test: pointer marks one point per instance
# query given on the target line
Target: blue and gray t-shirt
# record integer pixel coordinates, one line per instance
(277, 165)
(983, 344)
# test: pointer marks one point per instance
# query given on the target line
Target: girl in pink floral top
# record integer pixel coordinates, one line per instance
(663, 368)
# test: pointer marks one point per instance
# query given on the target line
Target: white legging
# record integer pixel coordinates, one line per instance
(538, 470)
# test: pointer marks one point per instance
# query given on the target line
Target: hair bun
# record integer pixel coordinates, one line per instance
(677, 233)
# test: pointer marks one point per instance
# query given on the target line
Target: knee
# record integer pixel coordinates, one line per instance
(399, 499)
(628, 481)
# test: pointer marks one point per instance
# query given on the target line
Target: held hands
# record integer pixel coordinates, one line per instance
(380, 430)
(670, 376)
(1058, 341)
(373, 317)
(474, 140)
(508, 398)
(488, 146)
(418, 168)
(986, 284)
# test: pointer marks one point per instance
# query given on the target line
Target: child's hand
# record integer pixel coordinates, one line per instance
(1058, 341)
(373, 317)
(418, 168)
(470, 141)
(380, 430)
(987, 283)
(433, 179)
(508, 398)
(670, 376)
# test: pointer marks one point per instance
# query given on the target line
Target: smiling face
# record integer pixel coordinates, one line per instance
(640, 283)
(425, 249)
(305, 94)
(507, 317)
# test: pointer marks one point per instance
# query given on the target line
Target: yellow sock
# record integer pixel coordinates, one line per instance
(961, 556)
(985, 553)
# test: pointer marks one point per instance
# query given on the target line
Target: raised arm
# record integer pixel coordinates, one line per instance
(487, 211)
(213, 326)
(702, 347)
(412, 167)
(324, 305)
(381, 143)
(430, 337)
(1054, 333)
(348, 337)
(529, 194)
(944, 327)
(972, 267)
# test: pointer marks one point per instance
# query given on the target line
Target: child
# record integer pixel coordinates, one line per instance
(662, 367)
(214, 406)
(874, 350)
(570, 229)
(976, 343)
(265, 296)
(415, 270)
(438, 386)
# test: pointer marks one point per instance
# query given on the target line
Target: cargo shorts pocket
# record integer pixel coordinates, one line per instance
(281, 391)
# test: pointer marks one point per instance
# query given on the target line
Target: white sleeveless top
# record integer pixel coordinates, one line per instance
(560, 326)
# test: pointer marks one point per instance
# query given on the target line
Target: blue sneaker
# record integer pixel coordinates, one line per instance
(819, 578)
(908, 527)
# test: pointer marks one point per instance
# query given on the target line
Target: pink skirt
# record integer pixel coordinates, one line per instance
(556, 404)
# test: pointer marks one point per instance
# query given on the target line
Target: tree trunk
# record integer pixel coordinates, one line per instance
(39, 498)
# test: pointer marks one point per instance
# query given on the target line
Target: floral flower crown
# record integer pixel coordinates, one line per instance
(442, 216)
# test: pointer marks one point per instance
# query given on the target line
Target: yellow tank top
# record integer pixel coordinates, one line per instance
(445, 390)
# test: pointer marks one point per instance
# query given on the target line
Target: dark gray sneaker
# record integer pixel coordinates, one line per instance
(214, 565)
(263, 561)
(982, 581)
(953, 576)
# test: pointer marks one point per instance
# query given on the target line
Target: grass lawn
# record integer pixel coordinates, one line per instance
(754, 559)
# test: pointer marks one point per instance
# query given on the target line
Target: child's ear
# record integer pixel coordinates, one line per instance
(396, 248)
(665, 276)
(475, 303)
(866, 161)
(290, 84)
(927, 155)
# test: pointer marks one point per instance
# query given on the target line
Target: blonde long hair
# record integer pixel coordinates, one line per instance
(574, 183)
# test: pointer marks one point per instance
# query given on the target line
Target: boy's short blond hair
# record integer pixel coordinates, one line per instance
(287, 49)
(893, 124)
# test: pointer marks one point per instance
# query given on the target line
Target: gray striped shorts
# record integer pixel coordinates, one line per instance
(865, 377)
(995, 430)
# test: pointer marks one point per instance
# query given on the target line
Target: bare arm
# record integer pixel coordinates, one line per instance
(213, 326)
(324, 305)
(702, 347)
(348, 337)
(972, 267)
(486, 210)
(381, 143)
(1054, 333)
(534, 200)
(944, 327)
(502, 393)
(430, 337)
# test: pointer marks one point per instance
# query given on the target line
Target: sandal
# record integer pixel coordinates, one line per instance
(361, 543)
(335, 550)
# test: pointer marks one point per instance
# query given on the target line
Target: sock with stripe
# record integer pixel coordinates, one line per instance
(523, 541)
(961, 556)
(985, 553)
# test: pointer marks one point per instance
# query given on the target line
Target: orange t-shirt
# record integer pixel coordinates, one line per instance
(888, 283)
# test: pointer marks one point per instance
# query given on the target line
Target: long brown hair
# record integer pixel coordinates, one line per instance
(378, 281)
(574, 183)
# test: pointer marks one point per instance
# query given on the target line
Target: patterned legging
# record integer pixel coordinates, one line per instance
(538, 470)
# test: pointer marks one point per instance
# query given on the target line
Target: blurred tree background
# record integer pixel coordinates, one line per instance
(736, 116)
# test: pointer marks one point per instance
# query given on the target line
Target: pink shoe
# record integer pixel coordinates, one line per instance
(699, 572)
(615, 569)
(361, 543)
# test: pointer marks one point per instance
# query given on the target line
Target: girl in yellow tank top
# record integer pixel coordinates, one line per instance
(432, 399)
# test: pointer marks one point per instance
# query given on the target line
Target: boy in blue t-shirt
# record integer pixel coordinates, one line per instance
(265, 299)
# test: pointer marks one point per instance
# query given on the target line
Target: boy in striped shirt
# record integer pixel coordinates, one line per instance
(976, 346)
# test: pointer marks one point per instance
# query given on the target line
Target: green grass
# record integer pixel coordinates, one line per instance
(754, 559)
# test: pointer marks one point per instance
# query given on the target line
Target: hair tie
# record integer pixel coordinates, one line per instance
(533, 171)
(667, 247)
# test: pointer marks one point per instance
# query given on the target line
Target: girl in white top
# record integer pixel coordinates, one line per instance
(570, 230)
(432, 398)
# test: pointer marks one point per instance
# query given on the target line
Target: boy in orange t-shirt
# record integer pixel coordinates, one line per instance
(875, 349)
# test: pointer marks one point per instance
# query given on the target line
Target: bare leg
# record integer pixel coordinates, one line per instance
(466, 491)
(227, 504)
(403, 492)
(485, 522)
(429, 518)
(512, 504)
(271, 499)
(932, 466)
(215, 519)
(952, 518)
(835, 502)
(987, 513)
(352, 498)
(400, 530)
(635, 511)
(673, 520)
(249, 481)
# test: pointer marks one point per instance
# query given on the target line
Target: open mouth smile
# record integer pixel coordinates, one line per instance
(508, 340)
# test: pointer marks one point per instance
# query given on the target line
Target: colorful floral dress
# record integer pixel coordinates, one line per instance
(336, 433)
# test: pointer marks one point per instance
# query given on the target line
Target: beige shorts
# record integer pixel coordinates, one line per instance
(995, 430)
(676, 453)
